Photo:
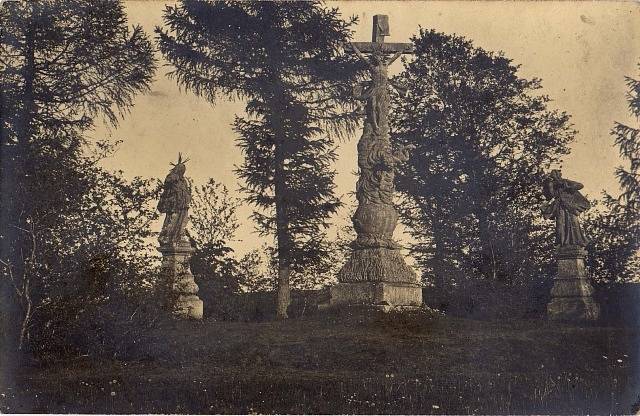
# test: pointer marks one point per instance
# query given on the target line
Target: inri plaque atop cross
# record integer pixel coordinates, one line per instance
(376, 273)
(380, 30)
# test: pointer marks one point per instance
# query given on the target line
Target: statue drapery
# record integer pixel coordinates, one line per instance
(174, 202)
(566, 204)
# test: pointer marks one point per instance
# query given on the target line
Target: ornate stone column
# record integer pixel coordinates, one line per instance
(176, 273)
(376, 273)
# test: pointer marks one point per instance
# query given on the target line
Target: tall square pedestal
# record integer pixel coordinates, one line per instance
(573, 309)
(184, 302)
(572, 293)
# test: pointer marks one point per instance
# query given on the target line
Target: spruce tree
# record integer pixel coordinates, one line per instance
(284, 59)
(62, 64)
(615, 230)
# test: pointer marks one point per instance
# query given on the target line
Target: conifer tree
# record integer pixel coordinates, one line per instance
(284, 59)
(615, 231)
(62, 64)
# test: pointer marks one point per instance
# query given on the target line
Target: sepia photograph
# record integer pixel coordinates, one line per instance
(319, 207)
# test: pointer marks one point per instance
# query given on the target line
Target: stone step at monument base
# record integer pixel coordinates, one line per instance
(188, 307)
(385, 296)
(573, 309)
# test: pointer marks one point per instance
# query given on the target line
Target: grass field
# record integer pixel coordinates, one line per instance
(340, 362)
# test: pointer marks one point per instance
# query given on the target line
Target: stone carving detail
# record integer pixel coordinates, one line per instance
(376, 272)
(175, 246)
(565, 206)
(376, 218)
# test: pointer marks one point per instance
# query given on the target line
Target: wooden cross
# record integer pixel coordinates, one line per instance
(377, 44)
(378, 64)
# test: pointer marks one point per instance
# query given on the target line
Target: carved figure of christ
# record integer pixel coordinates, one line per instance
(376, 91)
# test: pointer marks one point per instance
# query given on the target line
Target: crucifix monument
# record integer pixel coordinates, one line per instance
(376, 273)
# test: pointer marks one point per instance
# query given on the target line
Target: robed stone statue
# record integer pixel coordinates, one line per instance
(566, 203)
(175, 247)
(572, 292)
(174, 202)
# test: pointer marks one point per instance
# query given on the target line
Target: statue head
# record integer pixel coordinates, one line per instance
(556, 174)
(179, 168)
(376, 57)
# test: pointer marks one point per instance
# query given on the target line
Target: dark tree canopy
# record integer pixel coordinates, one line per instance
(483, 137)
(615, 229)
(62, 64)
(285, 60)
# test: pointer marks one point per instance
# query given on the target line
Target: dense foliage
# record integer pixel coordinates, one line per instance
(615, 227)
(483, 138)
(285, 60)
(72, 234)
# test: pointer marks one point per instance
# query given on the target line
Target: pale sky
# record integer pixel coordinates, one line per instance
(580, 50)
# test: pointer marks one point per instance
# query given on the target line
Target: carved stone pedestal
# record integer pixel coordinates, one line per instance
(572, 293)
(377, 277)
(185, 302)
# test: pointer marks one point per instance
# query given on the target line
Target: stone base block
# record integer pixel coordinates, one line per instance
(571, 295)
(579, 287)
(573, 309)
(384, 295)
(188, 307)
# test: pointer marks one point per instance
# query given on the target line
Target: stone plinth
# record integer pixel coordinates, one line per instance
(377, 277)
(382, 295)
(572, 293)
(184, 301)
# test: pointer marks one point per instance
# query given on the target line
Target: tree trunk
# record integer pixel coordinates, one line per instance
(439, 257)
(282, 235)
(438, 260)
(277, 102)
(27, 317)
(489, 264)
(18, 210)
(283, 298)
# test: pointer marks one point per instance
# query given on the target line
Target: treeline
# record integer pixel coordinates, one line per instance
(77, 248)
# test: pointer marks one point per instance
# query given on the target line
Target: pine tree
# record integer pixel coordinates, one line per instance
(284, 59)
(483, 137)
(62, 64)
(615, 231)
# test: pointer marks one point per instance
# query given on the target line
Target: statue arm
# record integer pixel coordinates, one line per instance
(573, 185)
(361, 55)
(394, 57)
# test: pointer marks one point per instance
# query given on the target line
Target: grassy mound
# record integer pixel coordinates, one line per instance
(340, 362)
